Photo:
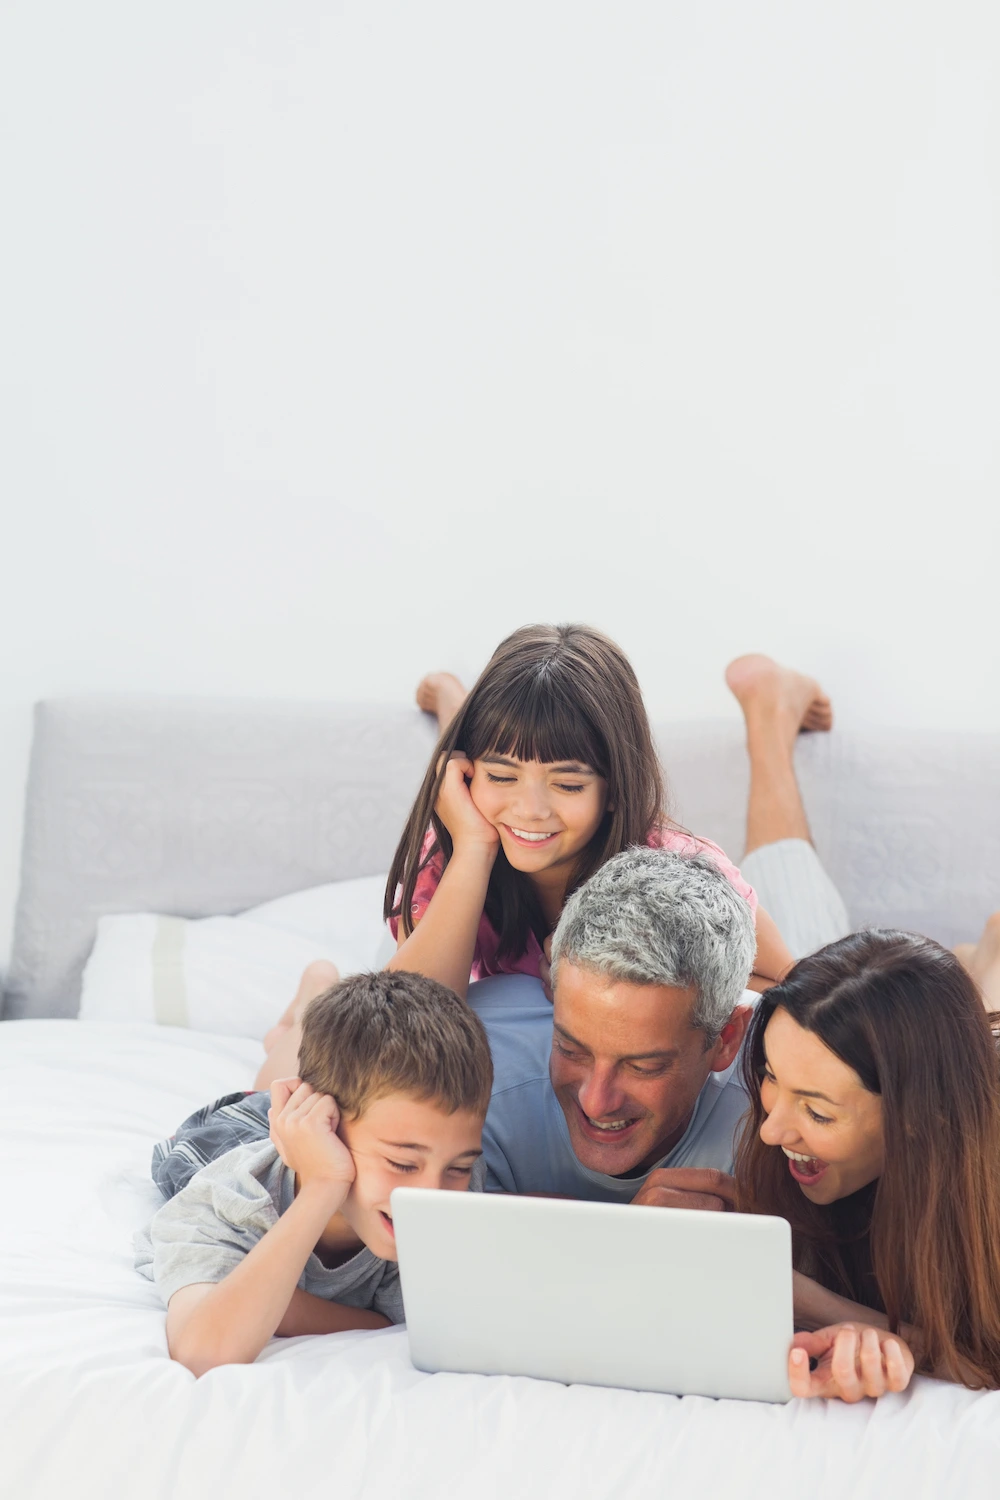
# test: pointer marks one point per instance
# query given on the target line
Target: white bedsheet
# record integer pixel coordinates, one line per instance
(91, 1406)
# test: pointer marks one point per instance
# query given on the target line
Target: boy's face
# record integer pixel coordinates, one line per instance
(400, 1141)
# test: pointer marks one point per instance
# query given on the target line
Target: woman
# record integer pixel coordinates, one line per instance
(875, 1131)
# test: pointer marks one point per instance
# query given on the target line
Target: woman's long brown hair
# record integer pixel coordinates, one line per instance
(902, 1012)
(548, 693)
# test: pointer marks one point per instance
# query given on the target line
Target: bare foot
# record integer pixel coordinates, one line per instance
(764, 689)
(983, 962)
(316, 979)
(441, 694)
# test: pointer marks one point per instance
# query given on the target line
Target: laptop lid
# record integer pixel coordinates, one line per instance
(652, 1299)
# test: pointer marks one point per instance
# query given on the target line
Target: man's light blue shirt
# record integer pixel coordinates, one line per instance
(526, 1141)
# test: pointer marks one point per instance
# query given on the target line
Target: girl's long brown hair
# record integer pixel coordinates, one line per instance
(548, 693)
(925, 1239)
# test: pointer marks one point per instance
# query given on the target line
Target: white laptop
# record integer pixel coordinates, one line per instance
(652, 1299)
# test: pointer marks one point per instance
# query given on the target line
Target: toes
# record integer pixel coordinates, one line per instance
(818, 716)
(426, 694)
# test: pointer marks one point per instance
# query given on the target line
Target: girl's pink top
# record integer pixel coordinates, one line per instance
(485, 960)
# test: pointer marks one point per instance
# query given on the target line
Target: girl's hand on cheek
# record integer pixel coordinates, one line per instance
(458, 812)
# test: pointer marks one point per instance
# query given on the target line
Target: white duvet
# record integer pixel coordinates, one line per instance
(91, 1406)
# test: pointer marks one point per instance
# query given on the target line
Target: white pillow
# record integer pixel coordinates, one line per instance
(233, 976)
(344, 918)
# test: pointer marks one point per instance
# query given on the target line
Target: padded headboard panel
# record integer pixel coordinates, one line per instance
(200, 806)
(195, 806)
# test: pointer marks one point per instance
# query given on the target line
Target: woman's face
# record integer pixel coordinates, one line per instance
(545, 814)
(819, 1113)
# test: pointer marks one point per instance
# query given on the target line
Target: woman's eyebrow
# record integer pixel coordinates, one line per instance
(805, 1093)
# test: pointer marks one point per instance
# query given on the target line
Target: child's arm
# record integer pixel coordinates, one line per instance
(230, 1321)
(309, 1314)
(773, 959)
(443, 944)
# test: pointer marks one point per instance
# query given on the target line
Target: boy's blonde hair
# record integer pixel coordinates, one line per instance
(394, 1032)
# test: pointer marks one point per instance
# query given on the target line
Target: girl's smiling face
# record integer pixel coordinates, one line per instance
(819, 1113)
(545, 813)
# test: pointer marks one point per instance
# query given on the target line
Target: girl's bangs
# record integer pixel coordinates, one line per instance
(535, 723)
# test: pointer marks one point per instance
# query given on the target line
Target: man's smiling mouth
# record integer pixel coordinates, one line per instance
(608, 1129)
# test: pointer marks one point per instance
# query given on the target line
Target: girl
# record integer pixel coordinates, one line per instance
(875, 1130)
(546, 770)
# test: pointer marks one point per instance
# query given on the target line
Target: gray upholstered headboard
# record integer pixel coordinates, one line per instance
(198, 806)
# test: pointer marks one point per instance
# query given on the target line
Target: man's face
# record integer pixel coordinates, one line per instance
(627, 1066)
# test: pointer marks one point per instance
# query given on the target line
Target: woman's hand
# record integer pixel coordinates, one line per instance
(303, 1128)
(459, 813)
(854, 1360)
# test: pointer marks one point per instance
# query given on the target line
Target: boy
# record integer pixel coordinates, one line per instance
(294, 1234)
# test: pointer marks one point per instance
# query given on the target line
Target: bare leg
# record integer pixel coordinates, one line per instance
(441, 694)
(282, 1042)
(778, 704)
(982, 961)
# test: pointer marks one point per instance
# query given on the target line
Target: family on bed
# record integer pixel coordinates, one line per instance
(569, 1012)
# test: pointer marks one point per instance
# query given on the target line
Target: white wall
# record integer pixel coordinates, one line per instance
(340, 339)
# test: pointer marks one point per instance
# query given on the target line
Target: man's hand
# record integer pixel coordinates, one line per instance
(303, 1127)
(854, 1360)
(687, 1187)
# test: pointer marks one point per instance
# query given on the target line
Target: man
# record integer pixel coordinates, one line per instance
(631, 1071)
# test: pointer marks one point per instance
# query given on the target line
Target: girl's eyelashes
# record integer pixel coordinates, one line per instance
(560, 786)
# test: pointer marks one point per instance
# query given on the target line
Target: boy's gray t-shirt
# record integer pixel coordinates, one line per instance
(204, 1232)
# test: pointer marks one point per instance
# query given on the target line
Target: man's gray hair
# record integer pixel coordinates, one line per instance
(652, 917)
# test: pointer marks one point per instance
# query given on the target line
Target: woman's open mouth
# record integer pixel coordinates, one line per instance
(387, 1222)
(807, 1170)
(530, 840)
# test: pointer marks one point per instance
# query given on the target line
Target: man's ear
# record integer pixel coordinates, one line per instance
(730, 1038)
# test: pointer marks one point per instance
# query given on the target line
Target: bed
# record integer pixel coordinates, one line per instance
(195, 809)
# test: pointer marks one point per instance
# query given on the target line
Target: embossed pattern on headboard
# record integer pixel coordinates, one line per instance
(193, 807)
(199, 806)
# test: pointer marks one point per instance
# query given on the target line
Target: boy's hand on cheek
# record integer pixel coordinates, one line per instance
(303, 1128)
